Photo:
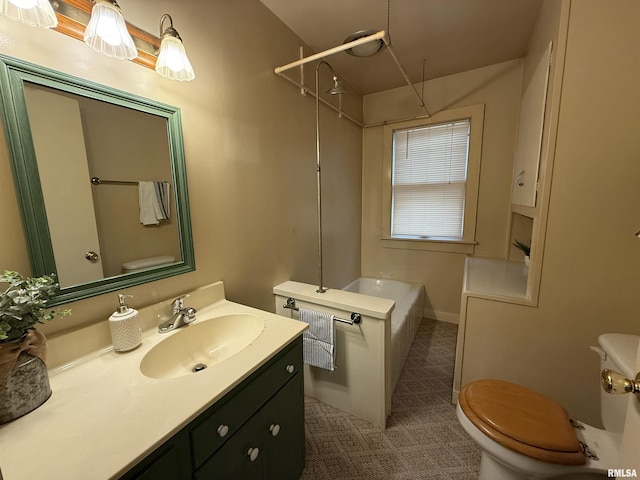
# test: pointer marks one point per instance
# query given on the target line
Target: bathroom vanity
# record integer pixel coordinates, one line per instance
(254, 431)
(241, 417)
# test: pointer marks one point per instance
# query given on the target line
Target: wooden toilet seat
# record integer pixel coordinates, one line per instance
(522, 420)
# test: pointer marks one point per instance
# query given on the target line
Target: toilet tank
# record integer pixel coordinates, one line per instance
(142, 263)
(620, 356)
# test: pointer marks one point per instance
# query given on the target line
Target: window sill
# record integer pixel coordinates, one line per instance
(430, 244)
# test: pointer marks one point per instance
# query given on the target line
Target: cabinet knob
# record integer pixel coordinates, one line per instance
(274, 429)
(223, 430)
(253, 453)
(290, 368)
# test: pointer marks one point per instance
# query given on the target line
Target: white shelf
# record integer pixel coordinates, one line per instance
(495, 278)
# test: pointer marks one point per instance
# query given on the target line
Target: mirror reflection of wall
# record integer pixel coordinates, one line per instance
(77, 138)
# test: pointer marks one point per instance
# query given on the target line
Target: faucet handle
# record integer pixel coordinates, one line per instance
(178, 303)
(188, 315)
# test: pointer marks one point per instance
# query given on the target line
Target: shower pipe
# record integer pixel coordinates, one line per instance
(381, 35)
(306, 91)
(321, 288)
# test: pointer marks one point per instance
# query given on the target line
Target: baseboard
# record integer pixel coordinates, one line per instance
(454, 397)
(441, 316)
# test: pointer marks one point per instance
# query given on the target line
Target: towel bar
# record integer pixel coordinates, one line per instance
(99, 181)
(356, 318)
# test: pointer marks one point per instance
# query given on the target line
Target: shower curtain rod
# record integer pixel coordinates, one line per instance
(340, 48)
(381, 35)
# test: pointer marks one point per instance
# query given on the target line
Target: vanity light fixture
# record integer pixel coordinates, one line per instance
(107, 32)
(101, 25)
(172, 60)
(36, 13)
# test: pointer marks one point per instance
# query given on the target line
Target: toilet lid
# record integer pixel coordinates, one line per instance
(522, 420)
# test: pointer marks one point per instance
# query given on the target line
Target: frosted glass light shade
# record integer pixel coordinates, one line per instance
(172, 60)
(107, 32)
(36, 13)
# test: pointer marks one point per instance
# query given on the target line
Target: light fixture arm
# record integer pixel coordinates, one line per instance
(169, 30)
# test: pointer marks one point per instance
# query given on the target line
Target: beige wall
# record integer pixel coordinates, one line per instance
(498, 87)
(589, 281)
(250, 151)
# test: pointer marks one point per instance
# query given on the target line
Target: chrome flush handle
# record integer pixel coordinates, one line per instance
(616, 383)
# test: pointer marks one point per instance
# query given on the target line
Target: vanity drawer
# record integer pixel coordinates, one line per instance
(233, 410)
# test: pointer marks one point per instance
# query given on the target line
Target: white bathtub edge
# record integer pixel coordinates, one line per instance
(375, 307)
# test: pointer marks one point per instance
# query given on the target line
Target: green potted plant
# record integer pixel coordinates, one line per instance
(24, 303)
(525, 249)
(24, 382)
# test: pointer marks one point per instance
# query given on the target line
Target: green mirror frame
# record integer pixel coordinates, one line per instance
(13, 74)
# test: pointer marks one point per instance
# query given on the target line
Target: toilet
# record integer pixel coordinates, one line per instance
(144, 263)
(524, 434)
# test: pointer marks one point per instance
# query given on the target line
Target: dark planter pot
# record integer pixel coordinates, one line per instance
(24, 381)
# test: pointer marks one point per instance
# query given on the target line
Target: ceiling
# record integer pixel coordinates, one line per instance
(450, 35)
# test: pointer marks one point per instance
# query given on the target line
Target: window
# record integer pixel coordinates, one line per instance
(432, 169)
(428, 181)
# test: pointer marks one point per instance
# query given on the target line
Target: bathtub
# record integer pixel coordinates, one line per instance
(405, 318)
(365, 373)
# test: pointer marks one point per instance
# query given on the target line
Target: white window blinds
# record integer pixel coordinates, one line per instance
(429, 179)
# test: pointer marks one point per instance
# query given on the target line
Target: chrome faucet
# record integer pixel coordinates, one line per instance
(180, 315)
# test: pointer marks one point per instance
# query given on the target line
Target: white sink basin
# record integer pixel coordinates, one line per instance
(201, 344)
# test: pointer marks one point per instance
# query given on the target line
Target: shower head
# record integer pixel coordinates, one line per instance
(366, 49)
(337, 88)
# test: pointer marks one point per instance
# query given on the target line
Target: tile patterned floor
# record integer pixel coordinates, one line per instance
(423, 439)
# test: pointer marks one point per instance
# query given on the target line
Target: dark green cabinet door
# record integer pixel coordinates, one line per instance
(282, 430)
(270, 446)
(240, 458)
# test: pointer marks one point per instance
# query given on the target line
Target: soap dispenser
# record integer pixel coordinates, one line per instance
(125, 327)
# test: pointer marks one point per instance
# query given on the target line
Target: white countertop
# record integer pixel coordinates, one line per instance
(105, 416)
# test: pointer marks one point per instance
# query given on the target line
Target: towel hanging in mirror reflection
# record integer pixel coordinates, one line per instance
(154, 200)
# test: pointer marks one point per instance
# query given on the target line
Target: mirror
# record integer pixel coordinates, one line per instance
(100, 179)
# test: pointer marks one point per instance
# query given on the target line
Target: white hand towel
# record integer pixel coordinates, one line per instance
(150, 211)
(162, 195)
(318, 341)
